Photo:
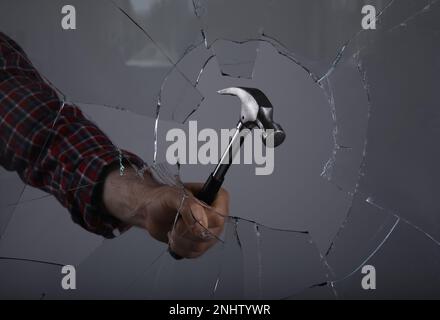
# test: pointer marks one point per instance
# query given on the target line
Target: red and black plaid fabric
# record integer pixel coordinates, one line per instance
(51, 145)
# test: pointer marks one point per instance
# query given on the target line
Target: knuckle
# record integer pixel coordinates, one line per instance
(224, 192)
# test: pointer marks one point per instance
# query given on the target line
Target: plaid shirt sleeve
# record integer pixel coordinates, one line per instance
(51, 145)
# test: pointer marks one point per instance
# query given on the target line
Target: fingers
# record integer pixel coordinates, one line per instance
(202, 224)
(217, 212)
(221, 202)
(194, 218)
(198, 226)
(190, 211)
(186, 245)
(199, 217)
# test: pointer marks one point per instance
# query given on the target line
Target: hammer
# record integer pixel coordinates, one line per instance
(256, 112)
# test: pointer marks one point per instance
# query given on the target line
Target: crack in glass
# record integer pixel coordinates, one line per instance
(374, 185)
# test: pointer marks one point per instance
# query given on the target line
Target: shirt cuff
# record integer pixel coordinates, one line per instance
(86, 200)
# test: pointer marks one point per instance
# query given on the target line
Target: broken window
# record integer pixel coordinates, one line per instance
(354, 184)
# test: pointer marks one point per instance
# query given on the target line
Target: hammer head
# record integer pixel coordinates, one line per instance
(257, 111)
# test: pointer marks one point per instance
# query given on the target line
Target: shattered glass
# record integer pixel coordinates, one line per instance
(354, 184)
(117, 53)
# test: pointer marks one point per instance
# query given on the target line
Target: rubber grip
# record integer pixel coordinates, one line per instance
(209, 190)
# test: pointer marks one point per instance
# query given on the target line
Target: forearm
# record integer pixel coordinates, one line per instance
(51, 145)
(123, 195)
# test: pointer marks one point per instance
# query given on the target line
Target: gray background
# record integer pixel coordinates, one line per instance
(375, 118)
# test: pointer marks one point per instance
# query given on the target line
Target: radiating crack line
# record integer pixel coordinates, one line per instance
(220, 264)
(268, 227)
(429, 236)
(32, 261)
(331, 283)
(321, 284)
(341, 51)
(425, 9)
(144, 272)
(372, 253)
(364, 79)
(125, 13)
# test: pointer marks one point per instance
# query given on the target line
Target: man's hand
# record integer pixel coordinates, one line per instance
(153, 206)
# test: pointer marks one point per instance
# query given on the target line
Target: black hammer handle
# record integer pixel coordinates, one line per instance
(213, 183)
(210, 189)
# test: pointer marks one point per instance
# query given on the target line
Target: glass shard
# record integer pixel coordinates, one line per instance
(360, 235)
(410, 274)
(113, 63)
(182, 29)
(278, 273)
(29, 280)
(402, 158)
(236, 59)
